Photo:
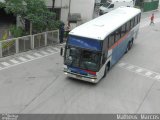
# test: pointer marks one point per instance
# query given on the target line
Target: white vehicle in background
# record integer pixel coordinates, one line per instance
(113, 4)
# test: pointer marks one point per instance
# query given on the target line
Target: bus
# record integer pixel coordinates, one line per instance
(94, 47)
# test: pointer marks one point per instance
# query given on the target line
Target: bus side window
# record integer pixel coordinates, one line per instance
(123, 30)
(105, 44)
(132, 23)
(128, 26)
(117, 34)
(111, 40)
(138, 17)
(136, 20)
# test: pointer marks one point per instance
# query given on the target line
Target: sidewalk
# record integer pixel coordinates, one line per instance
(145, 17)
(147, 14)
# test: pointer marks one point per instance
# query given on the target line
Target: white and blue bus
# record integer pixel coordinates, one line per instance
(94, 47)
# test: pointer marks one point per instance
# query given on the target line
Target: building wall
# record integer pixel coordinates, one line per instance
(149, 5)
(84, 7)
(63, 5)
(64, 10)
(58, 3)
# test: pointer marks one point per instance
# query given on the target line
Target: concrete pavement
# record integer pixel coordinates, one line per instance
(41, 87)
(145, 17)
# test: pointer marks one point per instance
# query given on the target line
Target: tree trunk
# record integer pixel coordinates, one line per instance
(30, 28)
(53, 3)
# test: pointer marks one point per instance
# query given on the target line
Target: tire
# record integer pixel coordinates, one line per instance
(129, 46)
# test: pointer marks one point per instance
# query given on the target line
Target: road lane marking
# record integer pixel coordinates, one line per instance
(30, 56)
(57, 49)
(5, 63)
(140, 71)
(43, 52)
(157, 77)
(148, 73)
(14, 61)
(37, 54)
(121, 64)
(22, 59)
(50, 50)
(130, 67)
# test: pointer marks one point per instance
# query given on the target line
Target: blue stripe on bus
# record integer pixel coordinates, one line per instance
(120, 48)
(86, 43)
(81, 71)
(77, 70)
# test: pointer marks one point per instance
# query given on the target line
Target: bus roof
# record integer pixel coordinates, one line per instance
(102, 26)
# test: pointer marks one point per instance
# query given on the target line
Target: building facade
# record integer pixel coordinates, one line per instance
(147, 5)
(82, 8)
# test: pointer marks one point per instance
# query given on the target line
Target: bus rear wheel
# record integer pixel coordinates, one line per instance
(131, 43)
(129, 46)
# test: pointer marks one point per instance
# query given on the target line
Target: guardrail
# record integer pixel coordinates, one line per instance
(25, 43)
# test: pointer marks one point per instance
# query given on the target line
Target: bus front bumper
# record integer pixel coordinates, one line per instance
(81, 77)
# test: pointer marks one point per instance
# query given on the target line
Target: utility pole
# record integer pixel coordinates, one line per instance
(69, 12)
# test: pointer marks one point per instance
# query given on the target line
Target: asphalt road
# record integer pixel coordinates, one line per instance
(131, 86)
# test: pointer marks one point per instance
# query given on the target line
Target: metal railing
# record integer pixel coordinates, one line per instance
(25, 43)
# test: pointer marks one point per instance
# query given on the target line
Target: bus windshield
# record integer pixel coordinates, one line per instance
(84, 59)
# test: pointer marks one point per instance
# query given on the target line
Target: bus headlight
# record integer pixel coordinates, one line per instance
(92, 80)
(67, 70)
(65, 73)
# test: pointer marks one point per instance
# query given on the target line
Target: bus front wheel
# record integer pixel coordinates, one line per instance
(106, 69)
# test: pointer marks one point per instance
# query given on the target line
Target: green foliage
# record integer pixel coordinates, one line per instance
(54, 26)
(35, 11)
(8, 44)
(17, 7)
(16, 31)
(2, 5)
(4, 36)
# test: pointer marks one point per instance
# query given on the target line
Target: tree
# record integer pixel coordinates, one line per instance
(35, 11)
(2, 5)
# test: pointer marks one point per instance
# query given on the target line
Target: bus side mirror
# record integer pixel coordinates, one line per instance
(62, 52)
